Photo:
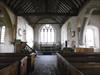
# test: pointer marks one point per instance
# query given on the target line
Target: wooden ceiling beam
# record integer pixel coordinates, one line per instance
(28, 7)
(68, 3)
(58, 19)
(64, 9)
(69, 7)
(41, 18)
(74, 8)
(66, 6)
(49, 23)
(78, 2)
(61, 9)
(46, 14)
(17, 4)
(75, 3)
(25, 5)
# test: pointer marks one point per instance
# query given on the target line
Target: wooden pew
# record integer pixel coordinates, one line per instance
(6, 60)
(81, 57)
(66, 68)
(15, 56)
(88, 63)
(9, 69)
(88, 68)
(84, 50)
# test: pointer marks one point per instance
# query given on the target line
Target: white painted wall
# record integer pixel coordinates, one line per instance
(21, 24)
(29, 35)
(26, 31)
(64, 34)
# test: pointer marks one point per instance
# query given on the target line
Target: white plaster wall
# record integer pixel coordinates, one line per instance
(21, 24)
(27, 31)
(66, 32)
(29, 35)
(64, 35)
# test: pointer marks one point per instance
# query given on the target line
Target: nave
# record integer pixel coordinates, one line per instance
(46, 65)
(49, 37)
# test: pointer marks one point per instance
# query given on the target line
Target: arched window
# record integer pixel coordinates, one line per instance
(2, 32)
(91, 37)
(47, 34)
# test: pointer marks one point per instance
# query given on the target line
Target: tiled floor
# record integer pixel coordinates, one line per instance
(46, 65)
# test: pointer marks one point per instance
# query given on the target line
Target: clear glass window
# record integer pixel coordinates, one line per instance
(47, 34)
(90, 39)
(2, 34)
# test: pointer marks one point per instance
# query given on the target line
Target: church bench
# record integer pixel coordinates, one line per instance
(30, 60)
(77, 54)
(80, 65)
(88, 63)
(88, 68)
(81, 57)
(22, 63)
(2, 65)
(84, 50)
(66, 68)
(31, 56)
(9, 69)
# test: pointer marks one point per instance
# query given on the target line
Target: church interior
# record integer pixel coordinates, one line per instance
(49, 37)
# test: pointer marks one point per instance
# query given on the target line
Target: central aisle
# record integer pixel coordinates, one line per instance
(46, 65)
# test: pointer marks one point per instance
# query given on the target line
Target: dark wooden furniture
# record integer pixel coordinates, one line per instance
(9, 69)
(8, 61)
(87, 63)
(66, 68)
(84, 50)
(26, 61)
